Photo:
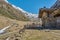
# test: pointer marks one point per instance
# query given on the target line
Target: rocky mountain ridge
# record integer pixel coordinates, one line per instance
(8, 10)
(27, 14)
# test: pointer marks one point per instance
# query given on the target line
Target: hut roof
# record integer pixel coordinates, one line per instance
(48, 10)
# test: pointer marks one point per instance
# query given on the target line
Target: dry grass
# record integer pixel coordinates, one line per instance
(33, 35)
(40, 35)
(13, 32)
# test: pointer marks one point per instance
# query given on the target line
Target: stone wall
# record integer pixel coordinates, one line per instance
(58, 22)
(49, 22)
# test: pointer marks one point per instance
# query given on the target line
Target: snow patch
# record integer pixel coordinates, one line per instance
(19, 8)
(6, 1)
(28, 14)
(25, 12)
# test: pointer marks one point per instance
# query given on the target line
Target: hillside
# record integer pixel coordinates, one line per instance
(8, 10)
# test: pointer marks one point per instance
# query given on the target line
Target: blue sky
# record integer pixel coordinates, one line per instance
(32, 5)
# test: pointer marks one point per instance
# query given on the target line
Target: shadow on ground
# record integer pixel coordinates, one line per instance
(41, 28)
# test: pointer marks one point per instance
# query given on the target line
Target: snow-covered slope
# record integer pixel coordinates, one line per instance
(27, 14)
(30, 15)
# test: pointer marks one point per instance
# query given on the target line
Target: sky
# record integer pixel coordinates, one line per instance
(32, 6)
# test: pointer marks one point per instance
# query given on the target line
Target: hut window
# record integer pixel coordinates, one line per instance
(47, 14)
